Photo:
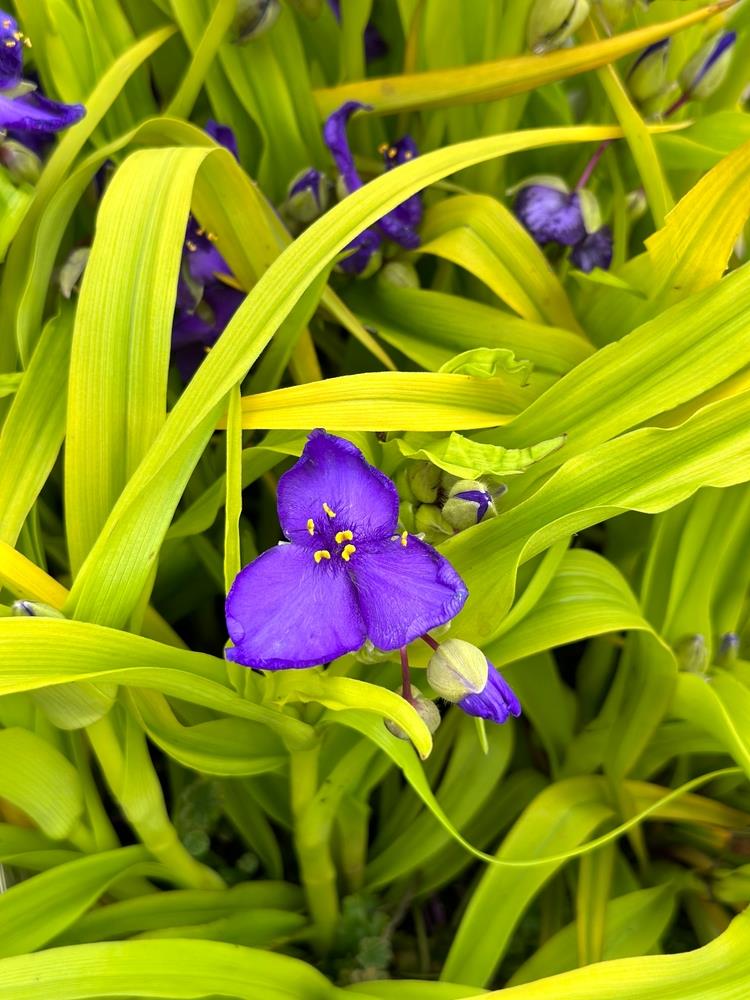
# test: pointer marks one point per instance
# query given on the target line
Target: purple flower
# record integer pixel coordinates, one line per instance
(375, 45)
(550, 215)
(495, 702)
(224, 135)
(595, 250)
(400, 223)
(22, 108)
(205, 302)
(344, 575)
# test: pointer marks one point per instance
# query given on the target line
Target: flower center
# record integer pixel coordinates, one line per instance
(338, 544)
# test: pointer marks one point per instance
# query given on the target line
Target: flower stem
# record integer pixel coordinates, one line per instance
(682, 99)
(593, 163)
(432, 643)
(406, 676)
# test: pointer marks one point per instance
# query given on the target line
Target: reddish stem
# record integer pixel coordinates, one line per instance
(406, 676)
(430, 641)
(592, 164)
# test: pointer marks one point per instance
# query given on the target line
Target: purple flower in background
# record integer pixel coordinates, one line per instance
(344, 574)
(205, 301)
(375, 45)
(23, 110)
(400, 223)
(595, 250)
(495, 702)
(550, 215)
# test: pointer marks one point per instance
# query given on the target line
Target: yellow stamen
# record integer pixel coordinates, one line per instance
(191, 246)
(327, 509)
(310, 526)
(6, 22)
(348, 552)
(211, 237)
(10, 44)
(18, 35)
(344, 536)
(383, 148)
(321, 554)
(404, 537)
(27, 42)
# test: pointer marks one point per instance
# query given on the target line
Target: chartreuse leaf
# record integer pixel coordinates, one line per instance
(34, 912)
(492, 80)
(14, 204)
(468, 459)
(389, 401)
(633, 925)
(176, 907)
(719, 706)
(128, 544)
(33, 430)
(172, 970)
(432, 327)
(9, 383)
(65, 651)
(37, 779)
(482, 235)
(648, 470)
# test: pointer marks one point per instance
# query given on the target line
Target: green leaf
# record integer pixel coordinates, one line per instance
(469, 459)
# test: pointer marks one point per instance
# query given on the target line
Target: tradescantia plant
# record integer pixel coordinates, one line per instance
(374, 499)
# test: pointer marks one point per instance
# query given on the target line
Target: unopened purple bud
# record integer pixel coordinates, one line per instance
(22, 163)
(253, 18)
(594, 250)
(729, 649)
(34, 609)
(552, 22)
(647, 77)
(308, 197)
(705, 72)
(468, 503)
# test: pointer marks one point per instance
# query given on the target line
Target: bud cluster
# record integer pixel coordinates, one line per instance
(436, 504)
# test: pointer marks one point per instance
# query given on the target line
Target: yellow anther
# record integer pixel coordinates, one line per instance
(321, 554)
(327, 509)
(348, 551)
(10, 44)
(18, 35)
(408, 155)
(27, 42)
(404, 537)
(344, 536)
(310, 526)
(383, 148)
(6, 22)
(191, 246)
(211, 237)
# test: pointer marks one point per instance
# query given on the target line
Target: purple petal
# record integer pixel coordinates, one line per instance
(394, 226)
(224, 135)
(334, 134)
(595, 250)
(194, 332)
(663, 45)
(285, 610)
(550, 215)
(311, 180)
(11, 52)
(335, 6)
(375, 45)
(204, 260)
(495, 703)
(399, 224)
(404, 590)
(333, 472)
(360, 251)
(35, 113)
(401, 151)
(479, 497)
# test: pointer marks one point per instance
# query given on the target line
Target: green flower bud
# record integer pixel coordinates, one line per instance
(552, 22)
(423, 479)
(692, 655)
(590, 211)
(427, 710)
(705, 72)
(729, 649)
(253, 18)
(469, 501)
(457, 669)
(636, 204)
(647, 77)
(430, 522)
(399, 274)
(23, 165)
(70, 272)
(539, 180)
(34, 609)
(307, 198)
(407, 516)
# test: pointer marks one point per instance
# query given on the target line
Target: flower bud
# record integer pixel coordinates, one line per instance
(307, 198)
(636, 204)
(468, 502)
(71, 270)
(430, 522)
(692, 655)
(647, 77)
(705, 72)
(253, 18)
(423, 479)
(399, 274)
(590, 211)
(34, 609)
(729, 649)
(457, 669)
(22, 163)
(593, 251)
(552, 22)
(427, 710)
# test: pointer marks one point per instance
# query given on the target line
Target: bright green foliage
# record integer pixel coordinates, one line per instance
(176, 826)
